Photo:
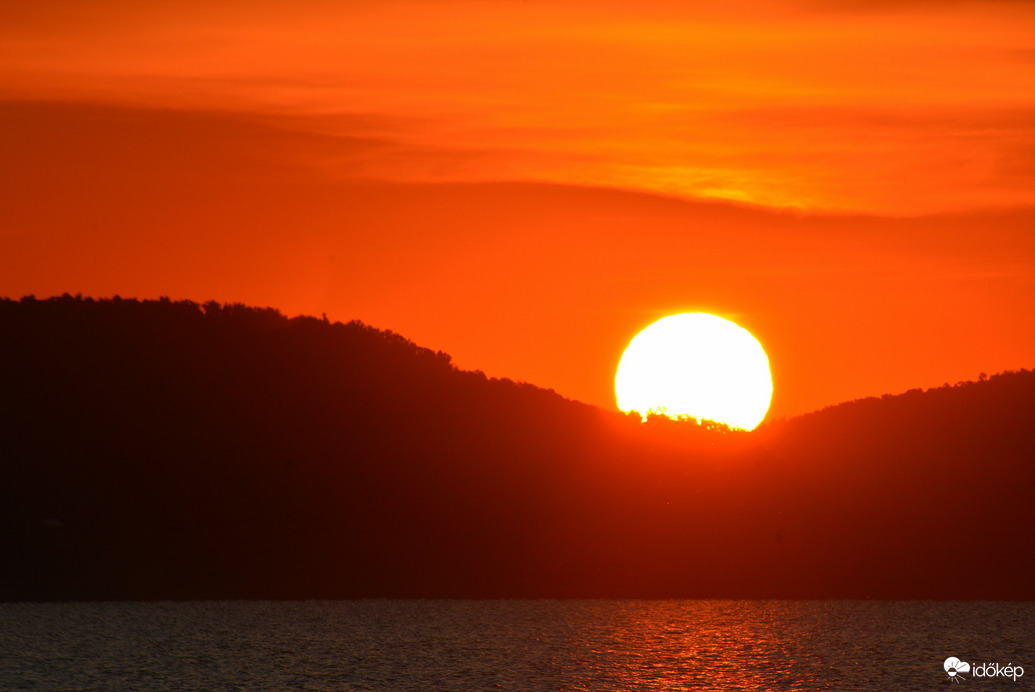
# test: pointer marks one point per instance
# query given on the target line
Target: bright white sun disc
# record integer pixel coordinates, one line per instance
(698, 365)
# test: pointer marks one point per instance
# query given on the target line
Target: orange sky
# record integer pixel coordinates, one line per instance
(525, 185)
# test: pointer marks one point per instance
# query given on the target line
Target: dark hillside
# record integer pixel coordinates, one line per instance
(170, 450)
(925, 492)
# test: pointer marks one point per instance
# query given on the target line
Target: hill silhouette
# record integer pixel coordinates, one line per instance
(160, 449)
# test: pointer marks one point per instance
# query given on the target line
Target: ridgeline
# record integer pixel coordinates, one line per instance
(171, 450)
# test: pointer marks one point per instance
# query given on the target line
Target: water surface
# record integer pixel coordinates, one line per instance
(509, 645)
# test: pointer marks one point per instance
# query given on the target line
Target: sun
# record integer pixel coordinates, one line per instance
(698, 365)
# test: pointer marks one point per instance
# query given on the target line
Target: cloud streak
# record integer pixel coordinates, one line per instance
(789, 106)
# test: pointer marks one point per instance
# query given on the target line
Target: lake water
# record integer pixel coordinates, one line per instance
(511, 645)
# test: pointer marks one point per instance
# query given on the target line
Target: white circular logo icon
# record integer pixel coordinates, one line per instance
(953, 666)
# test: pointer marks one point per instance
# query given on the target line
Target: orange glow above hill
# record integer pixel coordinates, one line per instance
(527, 185)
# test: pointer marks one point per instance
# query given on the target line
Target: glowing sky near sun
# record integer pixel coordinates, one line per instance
(327, 157)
